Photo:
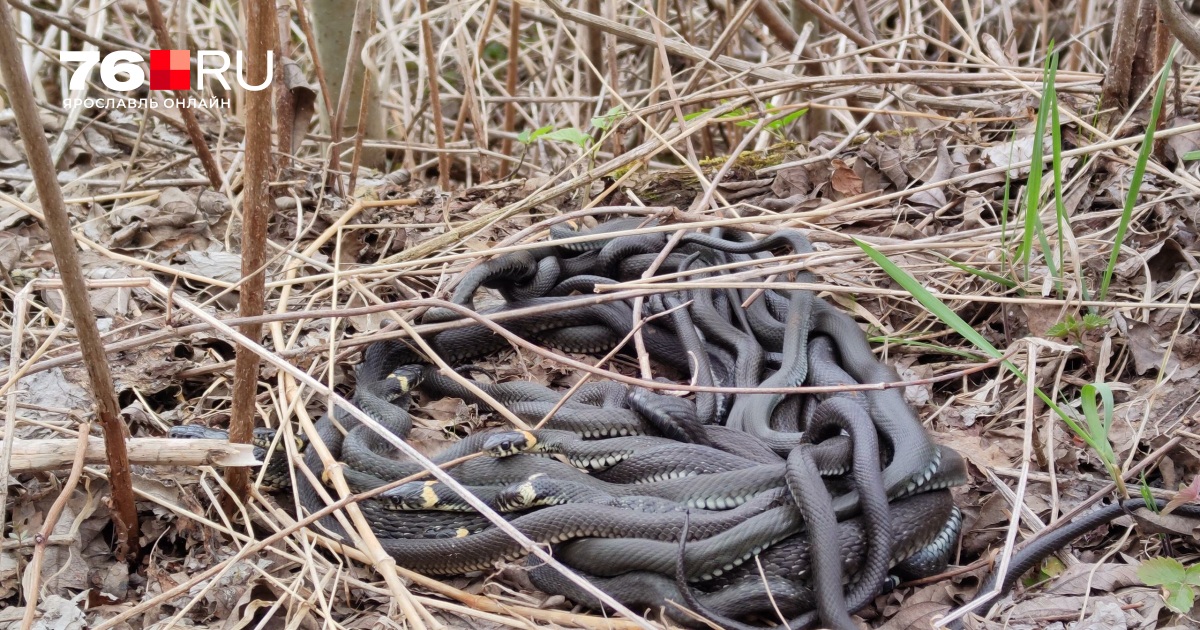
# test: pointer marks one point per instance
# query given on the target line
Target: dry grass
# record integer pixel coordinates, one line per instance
(904, 146)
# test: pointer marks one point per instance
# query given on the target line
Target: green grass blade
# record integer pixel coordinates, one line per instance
(1033, 189)
(940, 349)
(943, 312)
(1060, 210)
(1004, 282)
(1139, 170)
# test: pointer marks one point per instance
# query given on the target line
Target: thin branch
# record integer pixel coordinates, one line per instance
(58, 225)
(154, 11)
(256, 209)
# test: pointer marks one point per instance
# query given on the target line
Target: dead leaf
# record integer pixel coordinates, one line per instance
(919, 615)
(941, 168)
(1084, 578)
(1170, 259)
(1040, 318)
(10, 150)
(217, 265)
(59, 613)
(1168, 523)
(11, 215)
(1180, 145)
(1018, 150)
(792, 182)
(304, 100)
(1145, 347)
(11, 248)
(844, 180)
(994, 50)
(889, 160)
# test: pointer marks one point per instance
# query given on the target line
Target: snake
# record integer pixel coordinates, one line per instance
(656, 465)
(786, 566)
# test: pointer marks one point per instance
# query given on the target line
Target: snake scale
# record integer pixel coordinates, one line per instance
(662, 498)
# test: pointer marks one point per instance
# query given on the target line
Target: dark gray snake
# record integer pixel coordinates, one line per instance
(828, 515)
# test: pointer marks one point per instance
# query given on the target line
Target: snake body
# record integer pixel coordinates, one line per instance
(748, 474)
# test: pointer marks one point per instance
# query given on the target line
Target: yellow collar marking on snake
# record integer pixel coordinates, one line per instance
(403, 380)
(429, 496)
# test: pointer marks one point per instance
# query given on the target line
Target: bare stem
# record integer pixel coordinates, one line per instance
(20, 95)
(154, 11)
(256, 199)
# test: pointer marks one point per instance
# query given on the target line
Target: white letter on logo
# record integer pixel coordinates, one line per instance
(86, 59)
(215, 72)
(264, 84)
(122, 62)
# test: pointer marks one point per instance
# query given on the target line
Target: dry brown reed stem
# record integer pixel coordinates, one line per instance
(480, 45)
(776, 22)
(158, 23)
(510, 82)
(359, 134)
(58, 225)
(285, 100)
(1122, 49)
(435, 100)
(20, 310)
(34, 570)
(1180, 25)
(256, 210)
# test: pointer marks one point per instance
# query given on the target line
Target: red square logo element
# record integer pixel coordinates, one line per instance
(170, 70)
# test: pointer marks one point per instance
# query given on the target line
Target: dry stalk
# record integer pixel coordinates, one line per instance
(154, 11)
(20, 312)
(58, 224)
(256, 210)
(510, 83)
(34, 570)
(53, 454)
(435, 99)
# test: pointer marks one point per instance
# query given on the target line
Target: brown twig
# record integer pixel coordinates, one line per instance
(285, 100)
(435, 99)
(510, 83)
(58, 225)
(154, 11)
(43, 536)
(1180, 25)
(256, 208)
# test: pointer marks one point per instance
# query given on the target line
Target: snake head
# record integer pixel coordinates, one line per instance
(196, 432)
(510, 443)
(406, 378)
(263, 436)
(415, 495)
(519, 496)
